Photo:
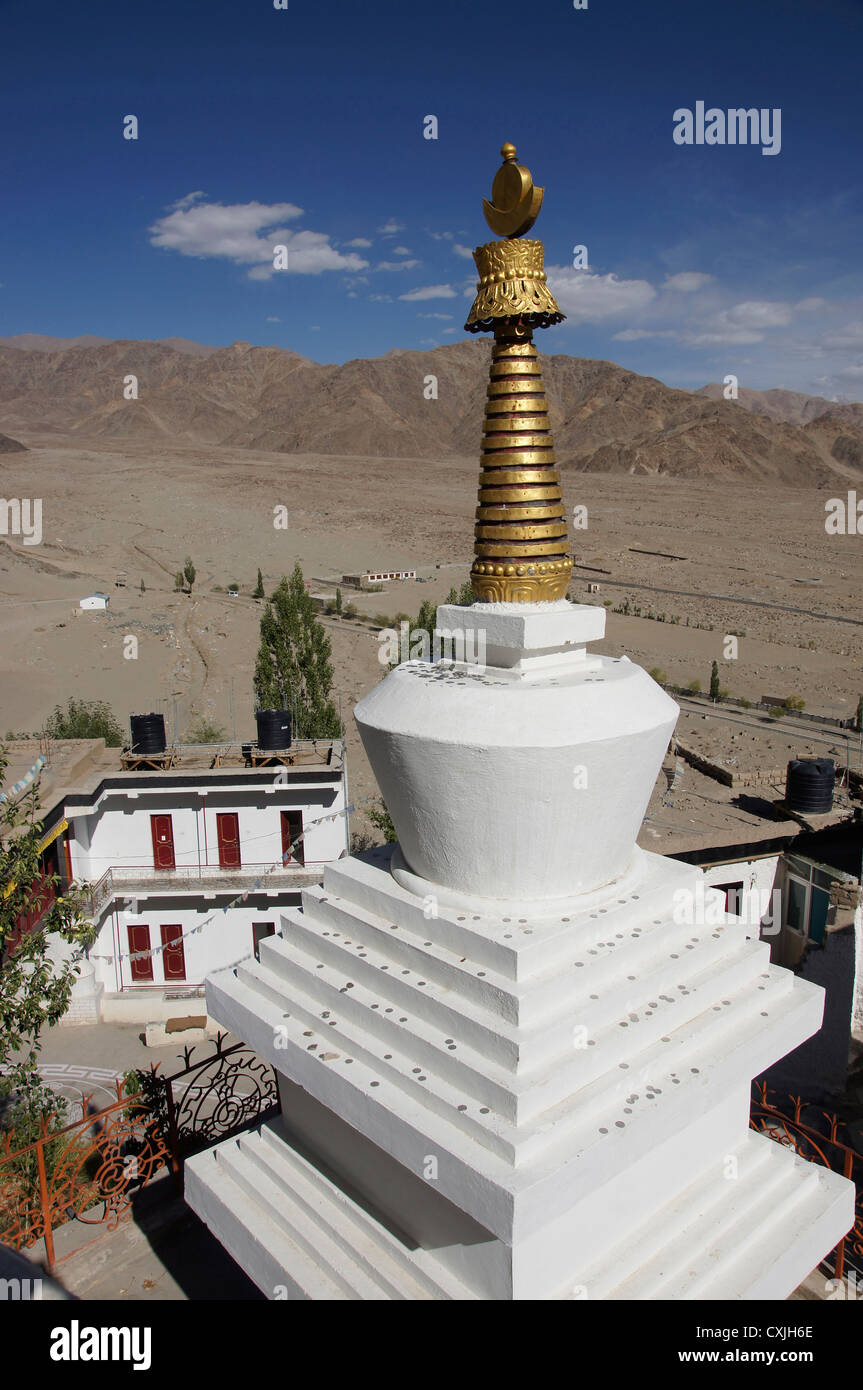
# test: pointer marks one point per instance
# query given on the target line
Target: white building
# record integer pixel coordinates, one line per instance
(189, 868)
(94, 601)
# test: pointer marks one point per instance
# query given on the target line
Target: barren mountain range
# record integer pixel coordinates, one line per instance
(605, 419)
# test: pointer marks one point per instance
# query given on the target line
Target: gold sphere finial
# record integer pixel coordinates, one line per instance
(515, 200)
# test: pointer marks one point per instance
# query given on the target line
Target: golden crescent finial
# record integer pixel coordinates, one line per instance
(515, 201)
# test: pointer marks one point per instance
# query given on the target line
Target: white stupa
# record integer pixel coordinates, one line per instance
(509, 1066)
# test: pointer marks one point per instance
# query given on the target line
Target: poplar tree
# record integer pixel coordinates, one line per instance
(714, 681)
(293, 669)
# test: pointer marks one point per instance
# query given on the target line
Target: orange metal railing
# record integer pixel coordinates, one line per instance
(827, 1149)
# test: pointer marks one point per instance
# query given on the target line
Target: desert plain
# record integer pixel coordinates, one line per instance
(735, 558)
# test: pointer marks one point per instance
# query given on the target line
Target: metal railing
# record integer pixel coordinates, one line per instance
(787, 1127)
(92, 1169)
(120, 878)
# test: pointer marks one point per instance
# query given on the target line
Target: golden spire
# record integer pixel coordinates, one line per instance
(520, 532)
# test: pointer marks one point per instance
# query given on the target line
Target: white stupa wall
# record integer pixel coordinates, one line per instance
(509, 1069)
(526, 781)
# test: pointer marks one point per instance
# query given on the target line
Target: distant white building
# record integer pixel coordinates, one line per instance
(377, 577)
(96, 601)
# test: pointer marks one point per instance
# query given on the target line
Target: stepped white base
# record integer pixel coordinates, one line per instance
(547, 1107)
(297, 1234)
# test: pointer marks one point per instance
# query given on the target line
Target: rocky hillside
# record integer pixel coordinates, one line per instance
(605, 418)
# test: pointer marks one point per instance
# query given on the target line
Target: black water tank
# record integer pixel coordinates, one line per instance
(809, 785)
(148, 733)
(274, 728)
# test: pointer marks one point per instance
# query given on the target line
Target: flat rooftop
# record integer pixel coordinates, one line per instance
(76, 767)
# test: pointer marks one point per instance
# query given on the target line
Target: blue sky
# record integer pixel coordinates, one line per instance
(304, 127)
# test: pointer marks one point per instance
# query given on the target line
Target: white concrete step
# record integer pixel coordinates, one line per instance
(433, 1037)
(266, 1254)
(573, 1149)
(516, 947)
(728, 1232)
(349, 1220)
(571, 1107)
(604, 955)
(317, 1242)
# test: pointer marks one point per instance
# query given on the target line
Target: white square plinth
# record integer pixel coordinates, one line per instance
(531, 627)
(522, 636)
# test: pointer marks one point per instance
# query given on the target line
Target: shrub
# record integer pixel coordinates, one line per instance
(381, 819)
(85, 719)
(203, 730)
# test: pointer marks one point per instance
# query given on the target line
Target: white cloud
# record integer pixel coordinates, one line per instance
(434, 316)
(442, 236)
(398, 265)
(463, 251)
(360, 241)
(811, 306)
(588, 298)
(401, 251)
(390, 228)
(634, 335)
(273, 319)
(245, 234)
(723, 337)
(687, 281)
(851, 336)
(381, 298)
(188, 200)
(758, 313)
(430, 292)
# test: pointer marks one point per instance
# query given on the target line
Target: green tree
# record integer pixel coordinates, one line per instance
(338, 603)
(293, 668)
(714, 681)
(35, 983)
(463, 597)
(258, 591)
(143, 587)
(85, 719)
(189, 572)
(382, 821)
(178, 582)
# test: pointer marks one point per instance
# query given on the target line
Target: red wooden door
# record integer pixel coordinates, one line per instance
(228, 831)
(163, 842)
(139, 940)
(173, 956)
(292, 827)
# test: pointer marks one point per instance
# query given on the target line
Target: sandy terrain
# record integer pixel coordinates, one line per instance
(143, 509)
